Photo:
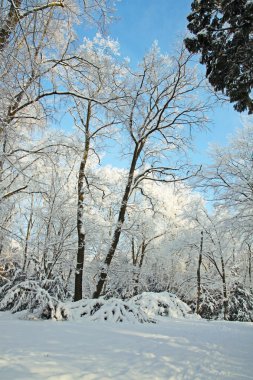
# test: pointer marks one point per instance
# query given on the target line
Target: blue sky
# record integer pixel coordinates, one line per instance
(139, 23)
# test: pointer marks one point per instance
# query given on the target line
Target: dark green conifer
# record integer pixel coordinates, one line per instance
(222, 32)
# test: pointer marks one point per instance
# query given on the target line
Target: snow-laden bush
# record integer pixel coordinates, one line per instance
(10, 273)
(211, 304)
(240, 304)
(162, 304)
(111, 310)
(142, 308)
(56, 288)
(30, 296)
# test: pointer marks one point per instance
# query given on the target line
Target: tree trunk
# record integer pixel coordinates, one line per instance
(135, 269)
(198, 274)
(250, 266)
(137, 273)
(224, 286)
(28, 234)
(121, 219)
(250, 271)
(80, 213)
(11, 21)
(14, 17)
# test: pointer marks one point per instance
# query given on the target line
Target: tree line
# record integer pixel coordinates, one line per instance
(82, 228)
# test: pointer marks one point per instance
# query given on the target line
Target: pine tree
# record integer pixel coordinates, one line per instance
(223, 35)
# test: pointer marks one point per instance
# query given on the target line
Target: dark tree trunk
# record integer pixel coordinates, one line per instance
(12, 20)
(250, 271)
(199, 274)
(224, 286)
(80, 213)
(79, 267)
(249, 266)
(138, 271)
(120, 222)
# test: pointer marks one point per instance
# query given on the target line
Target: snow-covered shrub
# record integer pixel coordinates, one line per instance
(55, 288)
(120, 283)
(211, 303)
(144, 308)
(162, 304)
(111, 310)
(41, 298)
(10, 272)
(240, 304)
(30, 296)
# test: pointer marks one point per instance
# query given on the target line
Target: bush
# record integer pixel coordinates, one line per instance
(30, 296)
(240, 304)
(163, 304)
(10, 272)
(111, 310)
(211, 303)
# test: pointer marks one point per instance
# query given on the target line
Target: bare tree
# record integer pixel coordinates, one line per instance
(228, 181)
(38, 55)
(214, 250)
(94, 120)
(37, 46)
(158, 110)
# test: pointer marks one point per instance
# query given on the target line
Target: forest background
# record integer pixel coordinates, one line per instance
(101, 192)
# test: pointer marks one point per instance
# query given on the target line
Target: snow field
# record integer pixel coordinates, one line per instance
(171, 349)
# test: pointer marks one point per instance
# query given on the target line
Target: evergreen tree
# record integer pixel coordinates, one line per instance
(223, 35)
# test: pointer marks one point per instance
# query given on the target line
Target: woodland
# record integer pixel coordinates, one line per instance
(99, 199)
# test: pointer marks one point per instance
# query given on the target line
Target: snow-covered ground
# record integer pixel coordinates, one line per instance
(171, 349)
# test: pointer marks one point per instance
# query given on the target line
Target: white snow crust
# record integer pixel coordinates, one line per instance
(173, 349)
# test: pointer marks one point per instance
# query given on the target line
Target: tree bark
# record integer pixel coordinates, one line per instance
(224, 286)
(80, 213)
(199, 274)
(11, 22)
(250, 271)
(249, 266)
(28, 234)
(120, 222)
(14, 17)
(137, 272)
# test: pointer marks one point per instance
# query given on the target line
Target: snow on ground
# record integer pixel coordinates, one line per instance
(171, 349)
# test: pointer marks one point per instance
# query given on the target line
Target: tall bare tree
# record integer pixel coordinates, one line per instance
(158, 114)
(94, 119)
